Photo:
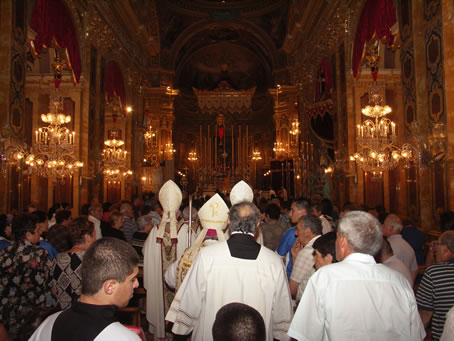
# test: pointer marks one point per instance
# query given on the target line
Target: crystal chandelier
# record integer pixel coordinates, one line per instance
(53, 153)
(256, 156)
(192, 156)
(278, 147)
(295, 128)
(169, 149)
(376, 137)
(115, 161)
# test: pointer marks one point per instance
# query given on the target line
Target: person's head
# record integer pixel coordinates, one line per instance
(42, 221)
(244, 217)
(445, 247)
(25, 227)
(116, 219)
(5, 227)
(447, 221)
(82, 231)
(273, 211)
(127, 210)
(95, 211)
(59, 237)
(326, 206)
(386, 251)
(238, 322)
(146, 209)
(298, 209)
(324, 250)
(109, 270)
(392, 225)
(136, 200)
(31, 207)
(144, 222)
(308, 227)
(156, 207)
(63, 217)
(358, 232)
(317, 209)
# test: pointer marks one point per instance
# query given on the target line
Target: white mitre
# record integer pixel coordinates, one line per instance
(170, 197)
(213, 215)
(241, 192)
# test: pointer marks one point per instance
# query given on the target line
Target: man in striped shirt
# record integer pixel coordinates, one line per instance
(435, 295)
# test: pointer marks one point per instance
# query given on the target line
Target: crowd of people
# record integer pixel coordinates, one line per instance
(234, 266)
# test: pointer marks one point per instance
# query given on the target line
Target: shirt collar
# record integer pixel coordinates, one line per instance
(360, 258)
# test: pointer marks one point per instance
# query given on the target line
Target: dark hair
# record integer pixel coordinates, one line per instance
(61, 216)
(326, 244)
(22, 224)
(317, 206)
(107, 259)
(273, 211)
(106, 206)
(40, 216)
(80, 227)
(84, 209)
(145, 209)
(244, 217)
(326, 206)
(447, 221)
(3, 225)
(238, 322)
(59, 237)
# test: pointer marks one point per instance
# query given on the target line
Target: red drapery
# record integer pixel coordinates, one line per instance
(52, 20)
(114, 83)
(377, 17)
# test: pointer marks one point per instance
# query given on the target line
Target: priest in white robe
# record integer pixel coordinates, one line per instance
(164, 245)
(237, 270)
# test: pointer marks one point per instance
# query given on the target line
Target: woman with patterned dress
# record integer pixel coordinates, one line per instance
(66, 266)
(24, 269)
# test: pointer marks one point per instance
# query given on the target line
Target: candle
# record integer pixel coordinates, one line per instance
(358, 129)
(393, 127)
(36, 134)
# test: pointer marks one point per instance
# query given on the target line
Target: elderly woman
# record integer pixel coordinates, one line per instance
(325, 250)
(112, 228)
(24, 268)
(65, 271)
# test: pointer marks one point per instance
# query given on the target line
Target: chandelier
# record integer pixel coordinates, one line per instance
(192, 156)
(115, 161)
(54, 153)
(256, 156)
(169, 149)
(295, 128)
(378, 151)
(278, 147)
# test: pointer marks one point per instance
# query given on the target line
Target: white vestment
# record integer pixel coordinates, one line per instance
(216, 279)
(153, 253)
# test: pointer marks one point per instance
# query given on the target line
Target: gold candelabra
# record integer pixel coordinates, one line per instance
(53, 153)
(377, 139)
(115, 161)
(193, 156)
